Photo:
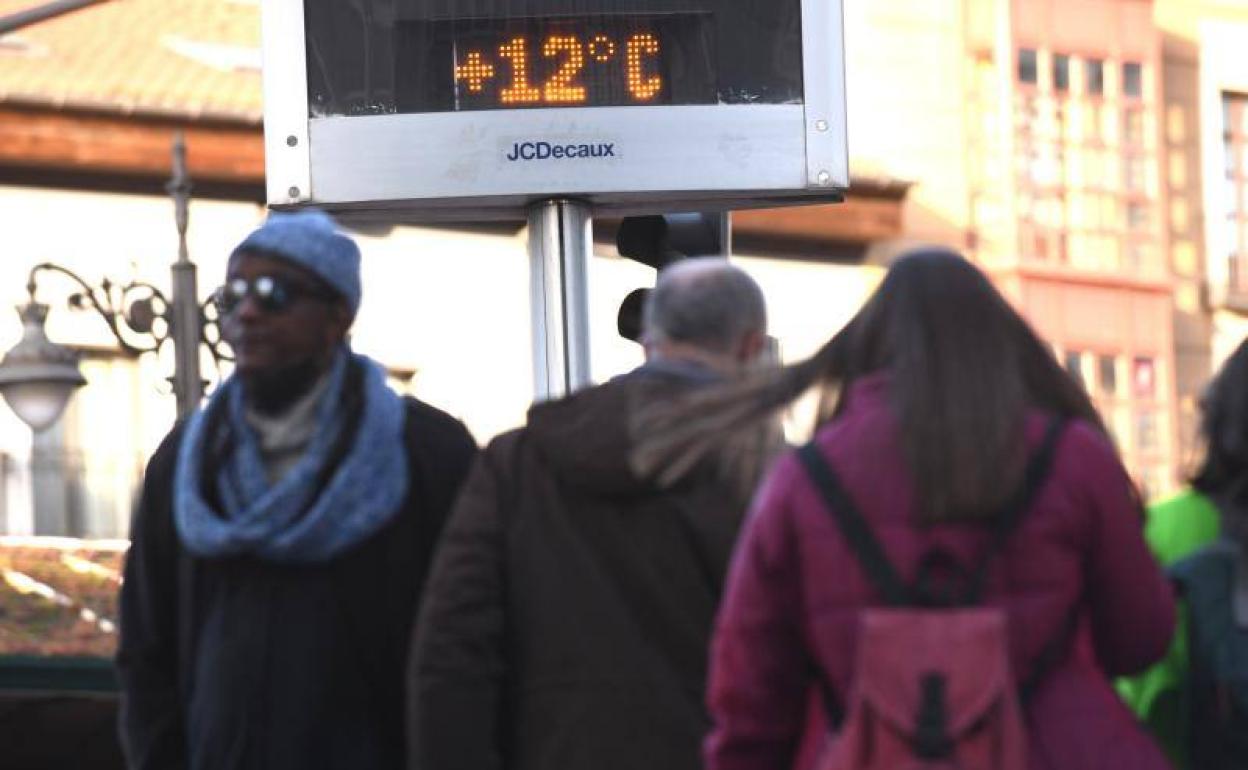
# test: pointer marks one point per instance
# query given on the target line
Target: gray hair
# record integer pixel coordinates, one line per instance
(706, 302)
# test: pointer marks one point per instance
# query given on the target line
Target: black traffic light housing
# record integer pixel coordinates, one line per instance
(661, 239)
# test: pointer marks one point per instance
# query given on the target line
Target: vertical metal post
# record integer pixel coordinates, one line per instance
(724, 221)
(559, 245)
(186, 321)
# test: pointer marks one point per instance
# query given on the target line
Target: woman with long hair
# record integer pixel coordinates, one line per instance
(936, 396)
(1215, 504)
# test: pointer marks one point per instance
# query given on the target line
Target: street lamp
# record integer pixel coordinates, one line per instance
(38, 376)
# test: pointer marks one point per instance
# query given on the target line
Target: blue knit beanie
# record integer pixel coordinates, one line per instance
(310, 239)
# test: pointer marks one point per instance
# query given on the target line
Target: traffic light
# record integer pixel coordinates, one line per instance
(661, 239)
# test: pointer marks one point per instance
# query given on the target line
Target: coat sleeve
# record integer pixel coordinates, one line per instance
(456, 669)
(152, 734)
(760, 670)
(1130, 601)
(444, 451)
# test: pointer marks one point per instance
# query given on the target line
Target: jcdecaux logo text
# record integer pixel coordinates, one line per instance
(550, 151)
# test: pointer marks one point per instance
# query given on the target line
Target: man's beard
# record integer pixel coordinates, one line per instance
(271, 392)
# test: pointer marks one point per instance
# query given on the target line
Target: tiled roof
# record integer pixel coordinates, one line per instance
(180, 58)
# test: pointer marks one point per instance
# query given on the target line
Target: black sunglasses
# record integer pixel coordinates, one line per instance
(271, 293)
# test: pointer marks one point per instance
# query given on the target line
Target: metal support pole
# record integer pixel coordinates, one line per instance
(559, 245)
(186, 321)
(724, 222)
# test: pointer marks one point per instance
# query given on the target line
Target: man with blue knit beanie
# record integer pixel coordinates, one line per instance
(284, 532)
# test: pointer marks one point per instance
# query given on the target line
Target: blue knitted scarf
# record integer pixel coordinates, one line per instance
(336, 495)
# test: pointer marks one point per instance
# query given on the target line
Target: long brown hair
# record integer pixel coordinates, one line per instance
(964, 368)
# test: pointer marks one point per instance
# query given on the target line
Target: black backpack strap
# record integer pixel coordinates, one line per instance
(1050, 655)
(1037, 472)
(867, 548)
(1006, 521)
(853, 527)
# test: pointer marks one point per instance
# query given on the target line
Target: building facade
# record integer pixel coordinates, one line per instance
(1088, 263)
(1084, 153)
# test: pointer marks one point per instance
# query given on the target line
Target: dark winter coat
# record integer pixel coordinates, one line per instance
(567, 615)
(796, 592)
(278, 666)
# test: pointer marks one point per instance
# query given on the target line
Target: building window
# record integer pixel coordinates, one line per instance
(1143, 378)
(1094, 77)
(1146, 434)
(1093, 121)
(1027, 68)
(1074, 366)
(1136, 168)
(1140, 254)
(1133, 126)
(1061, 72)
(1108, 369)
(1086, 186)
(1150, 482)
(1128, 395)
(1138, 217)
(1132, 79)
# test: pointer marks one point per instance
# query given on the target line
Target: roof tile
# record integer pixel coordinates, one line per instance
(116, 56)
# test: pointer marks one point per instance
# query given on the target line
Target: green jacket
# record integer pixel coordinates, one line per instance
(1175, 528)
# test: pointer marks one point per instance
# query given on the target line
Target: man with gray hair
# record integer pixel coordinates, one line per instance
(707, 311)
(567, 615)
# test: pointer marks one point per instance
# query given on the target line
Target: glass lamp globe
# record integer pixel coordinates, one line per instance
(38, 376)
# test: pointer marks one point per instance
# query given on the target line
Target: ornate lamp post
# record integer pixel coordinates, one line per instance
(38, 376)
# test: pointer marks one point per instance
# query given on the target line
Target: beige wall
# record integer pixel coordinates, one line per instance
(904, 72)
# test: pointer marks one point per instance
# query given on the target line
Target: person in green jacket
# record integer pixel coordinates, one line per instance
(1216, 503)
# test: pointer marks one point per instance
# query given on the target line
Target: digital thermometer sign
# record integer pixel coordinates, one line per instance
(598, 61)
(440, 110)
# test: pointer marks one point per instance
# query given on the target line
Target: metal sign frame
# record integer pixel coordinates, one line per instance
(446, 166)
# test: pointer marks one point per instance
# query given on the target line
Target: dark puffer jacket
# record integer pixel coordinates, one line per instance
(567, 615)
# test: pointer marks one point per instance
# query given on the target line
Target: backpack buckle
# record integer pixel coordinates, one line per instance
(941, 581)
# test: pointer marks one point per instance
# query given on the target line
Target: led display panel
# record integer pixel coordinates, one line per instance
(439, 56)
(587, 61)
(494, 104)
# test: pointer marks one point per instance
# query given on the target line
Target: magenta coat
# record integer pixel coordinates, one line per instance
(795, 590)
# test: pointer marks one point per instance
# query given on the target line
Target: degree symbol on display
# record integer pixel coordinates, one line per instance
(601, 48)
